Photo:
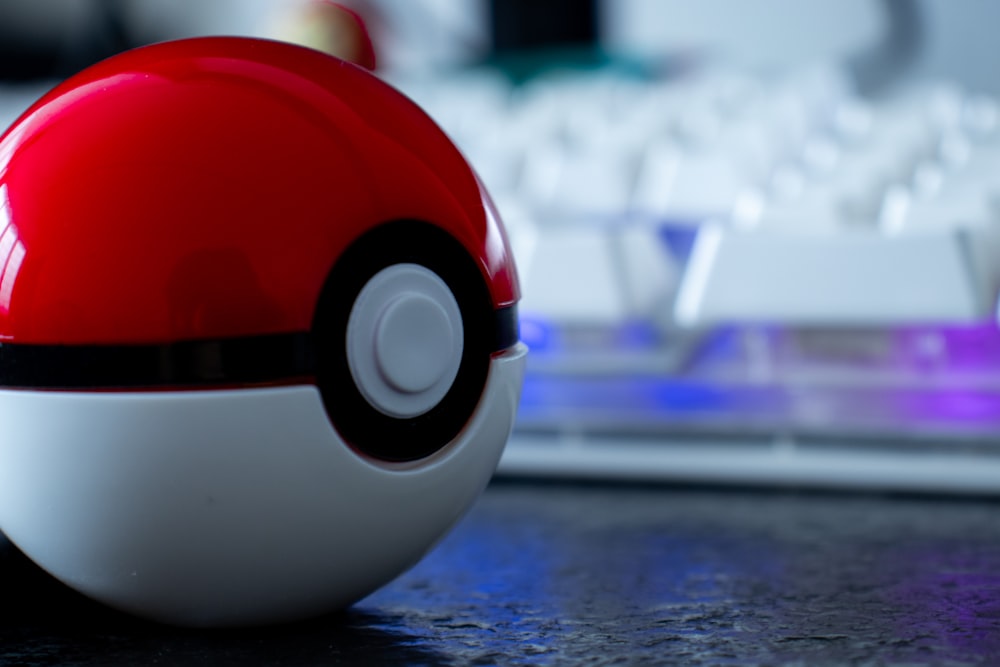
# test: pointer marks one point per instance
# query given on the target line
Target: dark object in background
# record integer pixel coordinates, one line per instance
(62, 43)
(530, 37)
(519, 25)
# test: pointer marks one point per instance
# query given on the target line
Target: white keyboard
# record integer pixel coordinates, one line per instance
(734, 278)
(810, 205)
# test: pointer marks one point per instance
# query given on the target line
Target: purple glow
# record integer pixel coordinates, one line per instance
(930, 380)
(963, 592)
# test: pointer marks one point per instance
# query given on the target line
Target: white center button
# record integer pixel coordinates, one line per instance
(413, 343)
(404, 340)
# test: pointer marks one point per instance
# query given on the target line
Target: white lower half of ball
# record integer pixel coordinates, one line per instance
(229, 507)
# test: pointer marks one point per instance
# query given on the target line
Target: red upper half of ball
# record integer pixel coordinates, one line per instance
(204, 188)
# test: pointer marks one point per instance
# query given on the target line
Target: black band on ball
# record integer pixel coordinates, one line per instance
(277, 358)
(318, 356)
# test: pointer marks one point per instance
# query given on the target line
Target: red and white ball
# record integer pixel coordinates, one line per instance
(258, 341)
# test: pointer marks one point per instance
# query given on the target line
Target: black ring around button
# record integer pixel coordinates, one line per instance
(363, 426)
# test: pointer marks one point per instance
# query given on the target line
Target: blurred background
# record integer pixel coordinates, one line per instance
(758, 241)
(955, 42)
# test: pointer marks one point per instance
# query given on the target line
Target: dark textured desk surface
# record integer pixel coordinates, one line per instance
(610, 575)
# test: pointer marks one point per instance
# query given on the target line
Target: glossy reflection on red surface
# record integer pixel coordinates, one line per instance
(203, 189)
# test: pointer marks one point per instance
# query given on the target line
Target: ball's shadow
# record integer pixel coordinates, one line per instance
(44, 622)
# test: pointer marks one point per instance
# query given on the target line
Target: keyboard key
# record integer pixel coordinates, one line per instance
(856, 278)
(580, 182)
(570, 276)
(690, 186)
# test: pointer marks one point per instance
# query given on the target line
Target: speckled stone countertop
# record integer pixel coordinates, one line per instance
(559, 574)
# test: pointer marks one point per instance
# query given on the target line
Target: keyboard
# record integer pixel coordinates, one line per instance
(735, 277)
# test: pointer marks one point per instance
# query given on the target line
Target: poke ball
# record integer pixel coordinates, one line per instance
(258, 339)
